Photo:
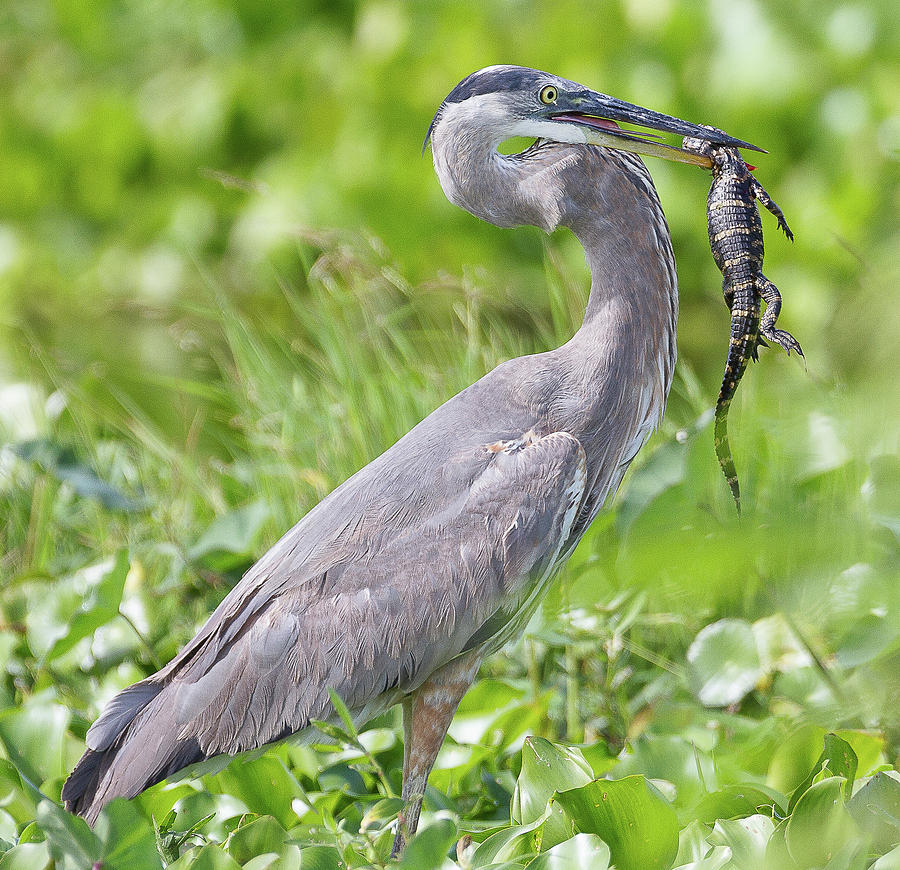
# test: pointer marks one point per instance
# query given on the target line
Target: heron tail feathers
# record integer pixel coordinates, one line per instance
(132, 746)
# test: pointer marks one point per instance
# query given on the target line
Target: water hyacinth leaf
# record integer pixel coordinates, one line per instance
(837, 759)
(692, 844)
(32, 735)
(719, 858)
(581, 851)
(255, 838)
(381, 812)
(737, 801)
(99, 606)
(819, 825)
(747, 839)
(725, 664)
(547, 768)
(62, 463)
(631, 816)
(869, 749)
(70, 840)
(262, 783)
(516, 841)
(888, 861)
(794, 758)
(209, 857)
(321, 858)
(428, 848)
(777, 855)
(234, 533)
(26, 856)
(128, 838)
(876, 809)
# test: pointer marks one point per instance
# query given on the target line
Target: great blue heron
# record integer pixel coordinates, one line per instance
(396, 586)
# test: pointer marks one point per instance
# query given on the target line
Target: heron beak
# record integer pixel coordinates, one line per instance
(597, 115)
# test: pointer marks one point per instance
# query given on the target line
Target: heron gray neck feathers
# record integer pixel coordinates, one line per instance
(608, 200)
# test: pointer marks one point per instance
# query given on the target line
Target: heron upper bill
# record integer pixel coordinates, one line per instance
(596, 114)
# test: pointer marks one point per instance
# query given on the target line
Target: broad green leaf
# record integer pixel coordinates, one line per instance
(547, 768)
(69, 838)
(876, 809)
(631, 816)
(578, 853)
(321, 858)
(33, 734)
(837, 759)
(736, 801)
(26, 856)
(777, 855)
(794, 758)
(129, 842)
(516, 841)
(819, 825)
(747, 839)
(724, 662)
(97, 608)
(16, 797)
(428, 848)
(380, 812)
(718, 858)
(61, 462)
(261, 835)
(264, 785)
(889, 861)
(692, 843)
(209, 857)
(869, 749)
(234, 532)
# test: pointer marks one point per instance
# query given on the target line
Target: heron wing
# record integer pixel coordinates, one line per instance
(376, 621)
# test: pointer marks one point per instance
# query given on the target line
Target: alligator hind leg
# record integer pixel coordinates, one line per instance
(728, 293)
(772, 298)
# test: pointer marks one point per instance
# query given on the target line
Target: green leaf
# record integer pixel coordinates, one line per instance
(777, 855)
(819, 825)
(26, 856)
(380, 812)
(794, 758)
(747, 839)
(68, 837)
(129, 842)
(876, 809)
(33, 734)
(547, 768)
(838, 759)
(209, 857)
(62, 463)
(869, 749)
(736, 801)
(234, 532)
(692, 845)
(516, 841)
(578, 853)
(259, 836)
(631, 816)
(97, 608)
(724, 662)
(889, 861)
(321, 858)
(428, 848)
(264, 785)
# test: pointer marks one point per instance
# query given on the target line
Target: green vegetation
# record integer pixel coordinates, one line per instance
(227, 281)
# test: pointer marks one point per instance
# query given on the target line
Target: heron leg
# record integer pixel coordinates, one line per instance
(427, 713)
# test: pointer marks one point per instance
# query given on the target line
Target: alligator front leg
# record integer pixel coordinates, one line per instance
(763, 197)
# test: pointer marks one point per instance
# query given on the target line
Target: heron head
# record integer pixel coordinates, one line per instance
(504, 101)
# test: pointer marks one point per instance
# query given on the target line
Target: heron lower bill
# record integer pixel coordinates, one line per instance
(395, 587)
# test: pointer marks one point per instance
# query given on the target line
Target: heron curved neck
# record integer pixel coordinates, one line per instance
(607, 199)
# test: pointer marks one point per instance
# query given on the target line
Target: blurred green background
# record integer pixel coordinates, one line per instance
(228, 279)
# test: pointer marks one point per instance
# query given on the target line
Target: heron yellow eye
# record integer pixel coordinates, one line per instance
(549, 94)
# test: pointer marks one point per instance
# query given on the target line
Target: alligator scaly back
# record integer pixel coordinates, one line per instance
(736, 241)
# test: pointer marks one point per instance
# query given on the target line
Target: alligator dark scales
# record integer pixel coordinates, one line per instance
(736, 240)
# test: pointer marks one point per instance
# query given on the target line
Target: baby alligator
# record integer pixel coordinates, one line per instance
(735, 236)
